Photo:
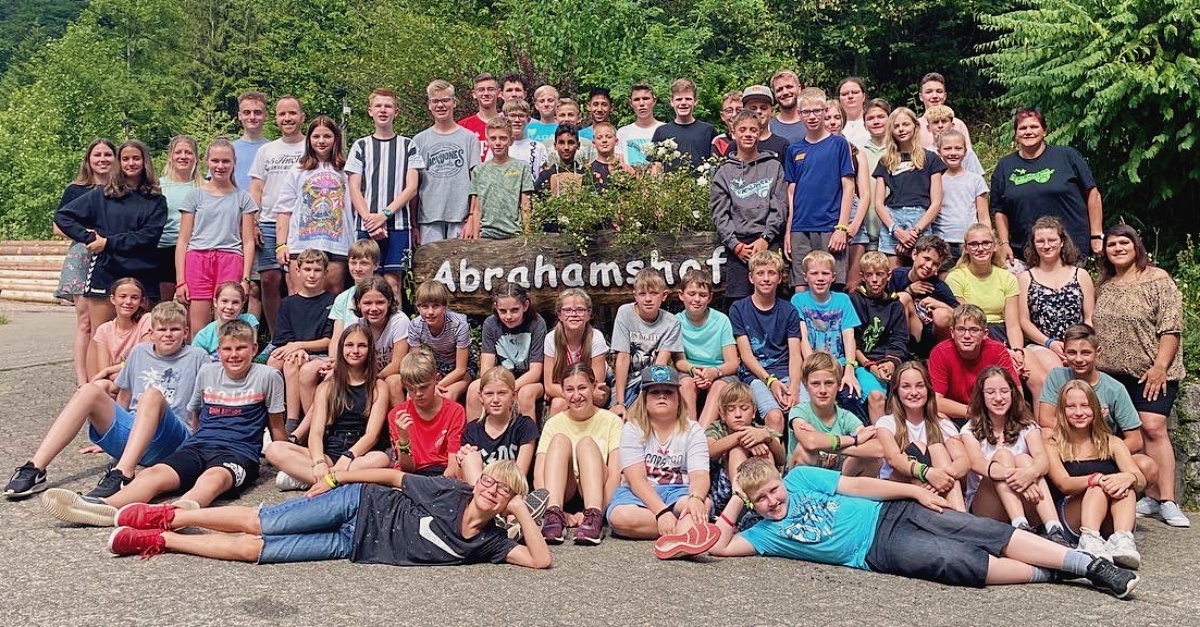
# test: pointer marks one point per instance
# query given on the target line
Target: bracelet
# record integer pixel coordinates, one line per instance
(697, 497)
(725, 518)
(692, 372)
(770, 380)
(349, 455)
(1096, 237)
(834, 443)
(331, 481)
(1048, 342)
(1094, 479)
(280, 247)
(842, 227)
(922, 469)
(737, 250)
(662, 513)
(912, 468)
(318, 462)
(854, 436)
(405, 448)
(989, 470)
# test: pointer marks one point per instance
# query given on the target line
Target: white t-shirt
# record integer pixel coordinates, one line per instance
(599, 347)
(631, 138)
(271, 163)
(1019, 447)
(396, 330)
(856, 132)
(916, 433)
(958, 205)
(321, 216)
(531, 152)
(669, 462)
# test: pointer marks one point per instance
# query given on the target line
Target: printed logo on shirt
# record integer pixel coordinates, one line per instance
(799, 157)
(1021, 176)
(322, 208)
(810, 518)
(663, 467)
(744, 189)
(426, 531)
(445, 160)
(165, 381)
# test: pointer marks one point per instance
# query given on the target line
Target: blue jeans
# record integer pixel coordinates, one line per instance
(765, 401)
(310, 529)
(902, 218)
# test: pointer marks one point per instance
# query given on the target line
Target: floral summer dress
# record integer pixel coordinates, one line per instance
(1054, 311)
(77, 268)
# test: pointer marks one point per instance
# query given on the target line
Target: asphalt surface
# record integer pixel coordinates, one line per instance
(55, 574)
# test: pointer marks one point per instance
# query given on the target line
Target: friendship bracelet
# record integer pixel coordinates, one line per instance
(331, 481)
(1094, 479)
(725, 518)
(834, 443)
(664, 511)
(922, 470)
(1048, 342)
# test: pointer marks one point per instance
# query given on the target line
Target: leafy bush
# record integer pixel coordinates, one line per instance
(1187, 277)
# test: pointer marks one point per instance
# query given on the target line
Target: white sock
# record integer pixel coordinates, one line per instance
(1019, 520)
(1052, 525)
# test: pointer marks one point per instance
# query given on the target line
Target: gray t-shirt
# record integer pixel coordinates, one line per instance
(234, 413)
(218, 221)
(446, 179)
(272, 163)
(642, 340)
(1118, 407)
(958, 205)
(174, 376)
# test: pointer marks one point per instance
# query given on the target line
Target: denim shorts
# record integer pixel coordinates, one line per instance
(168, 437)
(902, 218)
(266, 259)
(670, 495)
(949, 547)
(311, 529)
(861, 237)
(765, 401)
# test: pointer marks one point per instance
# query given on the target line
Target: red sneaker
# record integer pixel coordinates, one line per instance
(697, 540)
(146, 516)
(144, 542)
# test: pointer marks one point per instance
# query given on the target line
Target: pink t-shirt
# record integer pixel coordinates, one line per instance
(119, 344)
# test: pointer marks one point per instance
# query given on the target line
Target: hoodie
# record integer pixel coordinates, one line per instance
(883, 333)
(132, 224)
(749, 199)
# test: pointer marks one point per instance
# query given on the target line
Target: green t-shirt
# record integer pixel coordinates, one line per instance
(844, 423)
(499, 187)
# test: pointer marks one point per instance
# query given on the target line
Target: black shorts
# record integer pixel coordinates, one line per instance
(165, 268)
(189, 462)
(950, 547)
(101, 279)
(1160, 406)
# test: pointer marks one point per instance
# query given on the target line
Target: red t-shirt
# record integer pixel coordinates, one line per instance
(433, 441)
(954, 378)
(476, 125)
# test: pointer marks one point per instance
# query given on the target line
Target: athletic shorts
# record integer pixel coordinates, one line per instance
(804, 242)
(949, 547)
(166, 264)
(394, 250)
(1160, 406)
(190, 461)
(168, 437)
(670, 495)
(205, 270)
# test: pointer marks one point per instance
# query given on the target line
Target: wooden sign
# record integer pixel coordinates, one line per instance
(548, 264)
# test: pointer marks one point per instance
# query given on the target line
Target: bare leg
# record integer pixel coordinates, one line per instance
(712, 404)
(558, 405)
(309, 377)
(151, 408)
(82, 340)
(687, 391)
(213, 483)
(271, 280)
(335, 277)
(1044, 509)
(1003, 570)
(876, 405)
(591, 473)
(200, 313)
(149, 483)
(634, 522)
(1094, 509)
(861, 467)
(230, 519)
(255, 306)
(221, 546)
(1014, 505)
(774, 420)
(557, 462)
(455, 390)
(473, 404)
(941, 459)
(1158, 447)
(853, 270)
(292, 459)
(1123, 514)
(89, 404)
(527, 398)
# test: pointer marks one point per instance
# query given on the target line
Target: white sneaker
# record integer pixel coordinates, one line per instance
(1091, 543)
(1124, 551)
(1146, 506)
(288, 483)
(1172, 515)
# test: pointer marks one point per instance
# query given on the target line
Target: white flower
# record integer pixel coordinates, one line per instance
(695, 215)
(704, 167)
(675, 154)
(564, 220)
(701, 181)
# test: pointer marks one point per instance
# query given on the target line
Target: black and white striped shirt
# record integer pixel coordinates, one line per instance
(384, 165)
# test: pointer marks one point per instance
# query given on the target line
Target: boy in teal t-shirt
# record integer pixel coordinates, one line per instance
(709, 350)
(815, 426)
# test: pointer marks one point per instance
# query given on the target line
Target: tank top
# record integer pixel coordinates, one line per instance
(1053, 311)
(1083, 468)
(353, 420)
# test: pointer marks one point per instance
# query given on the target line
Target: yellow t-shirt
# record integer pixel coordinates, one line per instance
(988, 294)
(604, 427)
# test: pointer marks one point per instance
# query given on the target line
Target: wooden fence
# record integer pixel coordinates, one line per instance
(29, 270)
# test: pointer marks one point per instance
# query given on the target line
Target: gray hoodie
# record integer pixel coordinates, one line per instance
(749, 200)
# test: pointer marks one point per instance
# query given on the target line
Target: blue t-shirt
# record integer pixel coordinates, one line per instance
(207, 339)
(768, 333)
(826, 321)
(821, 525)
(1114, 398)
(817, 170)
(244, 151)
(540, 131)
(702, 345)
(233, 413)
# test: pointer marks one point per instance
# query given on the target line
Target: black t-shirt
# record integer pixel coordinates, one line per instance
(776, 143)
(1056, 183)
(694, 139)
(521, 430)
(941, 291)
(303, 319)
(908, 186)
(419, 525)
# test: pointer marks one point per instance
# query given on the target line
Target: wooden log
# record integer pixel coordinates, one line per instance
(29, 285)
(32, 262)
(29, 297)
(549, 263)
(10, 247)
(9, 273)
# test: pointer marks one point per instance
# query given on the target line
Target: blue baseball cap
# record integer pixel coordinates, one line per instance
(660, 375)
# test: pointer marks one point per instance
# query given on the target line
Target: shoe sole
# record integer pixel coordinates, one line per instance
(1129, 588)
(558, 540)
(589, 541)
(1131, 562)
(70, 507)
(697, 541)
(16, 496)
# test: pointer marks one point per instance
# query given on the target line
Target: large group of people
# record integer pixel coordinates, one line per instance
(928, 403)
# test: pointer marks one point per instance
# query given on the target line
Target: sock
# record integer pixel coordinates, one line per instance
(1051, 526)
(1020, 520)
(1041, 575)
(1076, 562)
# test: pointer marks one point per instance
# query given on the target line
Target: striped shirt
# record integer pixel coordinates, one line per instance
(444, 345)
(384, 165)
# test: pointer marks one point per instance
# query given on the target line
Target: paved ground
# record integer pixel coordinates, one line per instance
(59, 575)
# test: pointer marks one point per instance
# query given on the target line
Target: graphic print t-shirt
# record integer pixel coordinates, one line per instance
(821, 525)
(669, 462)
(321, 216)
(826, 321)
(521, 430)
(420, 525)
(446, 179)
(515, 348)
(768, 333)
(643, 340)
(233, 413)
(174, 376)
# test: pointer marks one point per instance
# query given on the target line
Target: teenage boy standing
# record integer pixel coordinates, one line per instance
(449, 151)
(692, 136)
(631, 137)
(252, 114)
(487, 97)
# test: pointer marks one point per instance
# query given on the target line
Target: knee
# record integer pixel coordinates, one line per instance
(1148, 466)
(560, 443)
(942, 317)
(1154, 426)
(527, 394)
(152, 397)
(774, 420)
(1004, 456)
(687, 385)
(876, 398)
(275, 451)
(1023, 460)
(587, 445)
(623, 518)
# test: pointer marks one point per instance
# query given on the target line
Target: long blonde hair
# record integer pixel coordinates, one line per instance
(560, 335)
(964, 257)
(893, 152)
(1098, 432)
(933, 427)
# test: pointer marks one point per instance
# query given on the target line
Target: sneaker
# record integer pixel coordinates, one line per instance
(1091, 543)
(591, 530)
(288, 483)
(109, 484)
(1124, 551)
(144, 542)
(697, 540)
(1057, 536)
(554, 525)
(537, 501)
(1024, 527)
(146, 516)
(73, 507)
(1111, 578)
(26, 481)
(1147, 506)
(1172, 515)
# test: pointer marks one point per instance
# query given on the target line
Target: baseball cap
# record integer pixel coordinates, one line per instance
(659, 375)
(758, 91)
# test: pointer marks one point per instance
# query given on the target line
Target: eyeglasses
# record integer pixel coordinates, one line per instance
(574, 311)
(979, 245)
(441, 100)
(487, 481)
(807, 112)
(731, 110)
(969, 330)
